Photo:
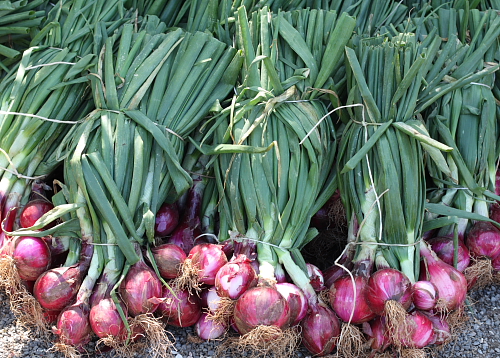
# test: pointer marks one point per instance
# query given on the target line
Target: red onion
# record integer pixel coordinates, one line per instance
(376, 329)
(73, 325)
(166, 220)
(209, 258)
(262, 305)
(495, 263)
(320, 330)
(56, 288)
(50, 316)
(105, 320)
(324, 218)
(181, 310)
(444, 248)
(442, 331)
(140, 289)
(210, 299)
(168, 258)
(32, 257)
(333, 273)
(495, 212)
(209, 329)
(387, 285)
(57, 245)
(235, 277)
(450, 283)
(296, 300)
(483, 239)
(228, 248)
(183, 236)
(425, 295)
(316, 277)
(9, 219)
(347, 299)
(421, 331)
(279, 273)
(33, 211)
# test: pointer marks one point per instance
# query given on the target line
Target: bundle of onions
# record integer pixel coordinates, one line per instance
(257, 202)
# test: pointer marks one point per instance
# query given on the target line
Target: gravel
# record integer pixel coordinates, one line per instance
(478, 336)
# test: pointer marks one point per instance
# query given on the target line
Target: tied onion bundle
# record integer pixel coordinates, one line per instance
(274, 150)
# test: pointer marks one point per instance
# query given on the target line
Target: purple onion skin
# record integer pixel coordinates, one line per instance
(209, 258)
(442, 331)
(209, 329)
(32, 257)
(496, 263)
(169, 258)
(424, 295)
(105, 320)
(56, 288)
(57, 245)
(343, 301)
(228, 248)
(73, 326)
(317, 280)
(261, 305)
(183, 236)
(320, 330)
(376, 329)
(444, 248)
(33, 211)
(181, 310)
(210, 299)
(166, 220)
(385, 285)
(235, 277)
(422, 331)
(495, 212)
(140, 289)
(7, 222)
(483, 240)
(296, 300)
(450, 283)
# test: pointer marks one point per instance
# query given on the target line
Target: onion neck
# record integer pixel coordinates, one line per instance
(299, 277)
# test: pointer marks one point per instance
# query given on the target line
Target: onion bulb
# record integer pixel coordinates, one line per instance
(168, 258)
(209, 329)
(32, 257)
(261, 305)
(235, 277)
(443, 246)
(209, 258)
(320, 330)
(450, 283)
(180, 308)
(387, 285)
(296, 300)
(483, 239)
(424, 295)
(140, 289)
(347, 298)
